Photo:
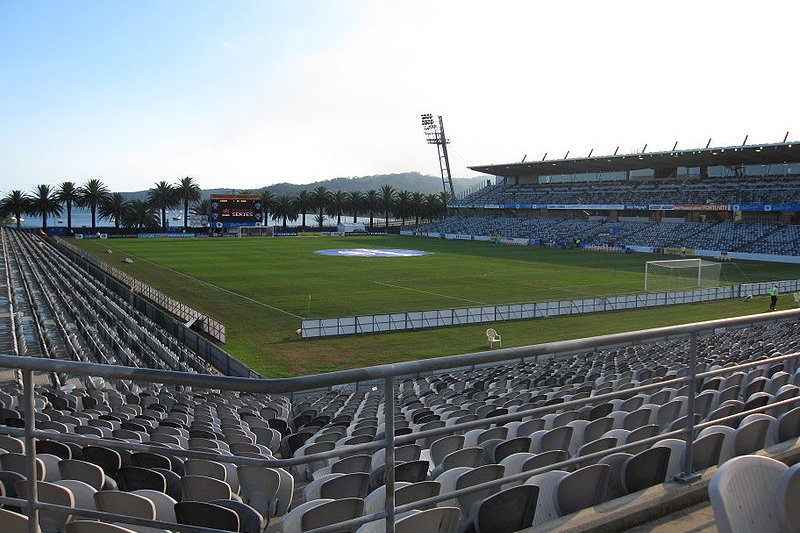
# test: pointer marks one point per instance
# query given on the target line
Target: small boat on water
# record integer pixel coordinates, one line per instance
(176, 217)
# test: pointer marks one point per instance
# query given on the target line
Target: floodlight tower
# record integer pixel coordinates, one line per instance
(434, 134)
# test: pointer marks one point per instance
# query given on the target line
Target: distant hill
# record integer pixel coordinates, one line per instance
(411, 181)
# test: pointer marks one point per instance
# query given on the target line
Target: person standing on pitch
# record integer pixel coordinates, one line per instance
(773, 297)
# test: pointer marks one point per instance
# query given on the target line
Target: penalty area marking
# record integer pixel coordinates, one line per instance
(217, 287)
(429, 292)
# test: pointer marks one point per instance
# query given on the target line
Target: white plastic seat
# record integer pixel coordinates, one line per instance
(492, 338)
(743, 494)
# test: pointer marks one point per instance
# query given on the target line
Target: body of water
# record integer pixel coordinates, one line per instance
(82, 218)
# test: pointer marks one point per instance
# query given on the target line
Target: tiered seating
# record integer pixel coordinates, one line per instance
(754, 237)
(730, 190)
(87, 321)
(165, 487)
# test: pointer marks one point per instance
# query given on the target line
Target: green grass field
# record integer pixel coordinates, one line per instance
(259, 289)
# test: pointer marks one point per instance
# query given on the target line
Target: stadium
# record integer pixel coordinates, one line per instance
(580, 345)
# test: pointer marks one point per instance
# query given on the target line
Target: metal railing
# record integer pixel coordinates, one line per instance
(387, 374)
(486, 314)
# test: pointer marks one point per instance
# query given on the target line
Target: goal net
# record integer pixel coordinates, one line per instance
(255, 231)
(680, 274)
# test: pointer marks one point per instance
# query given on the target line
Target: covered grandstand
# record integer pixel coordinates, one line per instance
(735, 199)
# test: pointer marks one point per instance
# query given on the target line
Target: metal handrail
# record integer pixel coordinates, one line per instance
(387, 373)
(343, 377)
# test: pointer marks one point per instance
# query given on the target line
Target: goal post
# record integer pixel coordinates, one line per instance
(678, 274)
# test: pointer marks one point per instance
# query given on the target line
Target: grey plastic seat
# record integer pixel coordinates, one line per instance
(787, 496)
(83, 493)
(14, 522)
(332, 512)
(789, 425)
(554, 439)
(346, 486)
(446, 445)
(204, 489)
(615, 486)
(470, 457)
(164, 503)
(547, 482)
(127, 504)
(509, 447)
(134, 477)
(646, 469)
(505, 512)
(260, 488)
(207, 515)
(250, 520)
(17, 462)
(87, 472)
(49, 521)
(437, 520)
(743, 494)
(597, 445)
(751, 437)
(476, 476)
(706, 451)
(582, 488)
(90, 526)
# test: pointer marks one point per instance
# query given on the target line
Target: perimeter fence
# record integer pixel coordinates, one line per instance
(464, 316)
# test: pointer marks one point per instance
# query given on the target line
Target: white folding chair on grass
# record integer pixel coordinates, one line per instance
(492, 337)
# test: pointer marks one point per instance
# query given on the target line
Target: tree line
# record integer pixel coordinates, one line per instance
(47, 201)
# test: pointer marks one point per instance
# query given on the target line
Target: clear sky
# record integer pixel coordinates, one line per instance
(242, 94)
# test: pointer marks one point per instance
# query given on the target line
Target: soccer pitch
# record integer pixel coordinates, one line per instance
(260, 288)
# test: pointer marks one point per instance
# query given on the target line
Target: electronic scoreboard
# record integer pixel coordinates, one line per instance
(232, 210)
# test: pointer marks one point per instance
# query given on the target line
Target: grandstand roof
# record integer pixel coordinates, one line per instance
(760, 154)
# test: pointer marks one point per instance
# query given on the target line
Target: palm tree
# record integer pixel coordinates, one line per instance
(303, 202)
(268, 201)
(386, 200)
(434, 205)
(44, 202)
(417, 206)
(163, 196)
(371, 204)
(67, 194)
(140, 214)
(355, 201)
(188, 192)
(338, 203)
(403, 205)
(91, 194)
(14, 203)
(201, 208)
(114, 207)
(320, 198)
(284, 208)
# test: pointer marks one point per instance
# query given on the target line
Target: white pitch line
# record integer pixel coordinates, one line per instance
(217, 287)
(429, 292)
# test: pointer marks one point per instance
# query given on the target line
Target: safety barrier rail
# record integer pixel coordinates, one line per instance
(388, 374)
(415, 320)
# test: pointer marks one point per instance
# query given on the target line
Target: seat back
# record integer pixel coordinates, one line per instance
(437, 520)
(509, 510)
(582, 488)
(743, 493)
(332, 512)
